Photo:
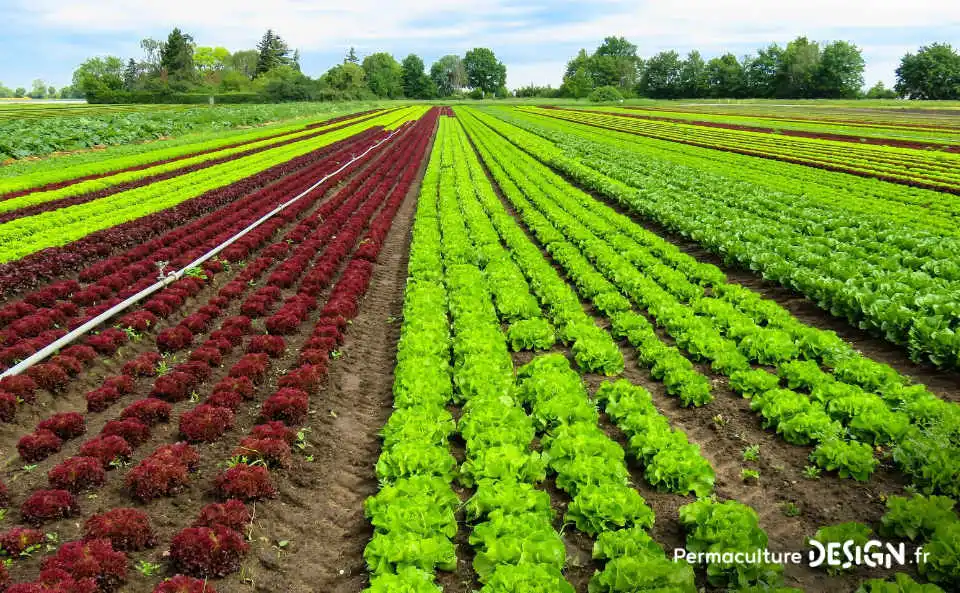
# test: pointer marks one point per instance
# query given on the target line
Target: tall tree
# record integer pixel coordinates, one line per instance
(932, 73)
(661, 76)
(20, 92)
(614, 64)
(273, 52)
(415, 82)
(763, 71)
(727, 77)
(346, 80)
(383, 75)
(351, 57)
(448, 75)
(484, 71)
(798, 69)
(578, 84)
(99, 74)
(152, 49)
(176, 57)
(210, 59)
(880, 91)
(693, 76)
(38, 90)
(244, 61)
(130, 75)
(577, 79)
(840, 74)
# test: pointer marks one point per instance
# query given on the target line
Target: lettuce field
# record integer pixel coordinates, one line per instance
(483, 348)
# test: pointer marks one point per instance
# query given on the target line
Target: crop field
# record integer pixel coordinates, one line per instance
(494, 348)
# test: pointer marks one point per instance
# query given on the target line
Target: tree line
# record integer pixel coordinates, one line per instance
(178, 70)
(802, 69)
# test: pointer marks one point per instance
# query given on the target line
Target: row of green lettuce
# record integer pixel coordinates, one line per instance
(785, 121)
(578, 453)
(516, 547)
(894, 280)
(934, 168)
(835, 398)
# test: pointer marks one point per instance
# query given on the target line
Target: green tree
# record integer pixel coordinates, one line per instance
(840, 74)
(272, 52)
(210, 59)
(661, 76)
(932, 73)
(152, 49)
(130, 75)
(383, 75)
(70, 92)
(99, 74)
(763, 72)
(345, 81)
(799, 68)
(176, 57)
(484, 71)
(577, 81)
(448, 75)
(285, 83)
(614, 64)
(726, 77)
(578, 84)
(880, 91)
(244, 62)
(20, 92)
(351, 57)
(693, 76)
(38, 89)
(5, 92)
(415, 82)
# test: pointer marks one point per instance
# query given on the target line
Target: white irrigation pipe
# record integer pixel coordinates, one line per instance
(173, 276)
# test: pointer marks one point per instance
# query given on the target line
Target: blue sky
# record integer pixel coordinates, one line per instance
(47, 39)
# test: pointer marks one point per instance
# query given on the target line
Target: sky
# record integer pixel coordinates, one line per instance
(47, 39)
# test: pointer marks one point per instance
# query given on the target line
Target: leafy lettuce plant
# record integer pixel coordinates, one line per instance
(728, 527)
(602, 507)
(531, 334)
(849, 459)
(942, 565)
(502, 462)
(902, 583)
(511, 496)
(515, 539)
(408, 579)
(918, 516)
(526, 577)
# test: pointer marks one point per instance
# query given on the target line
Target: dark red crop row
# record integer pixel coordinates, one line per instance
(50, 264)
(53, 377)
(31, 320)
(209, 547)
(204, 552)
(353, 117)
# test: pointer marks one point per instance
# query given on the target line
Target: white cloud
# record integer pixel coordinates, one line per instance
(535, 73)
